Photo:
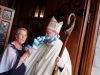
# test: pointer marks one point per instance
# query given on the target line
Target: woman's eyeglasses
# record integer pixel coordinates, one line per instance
(21, 35)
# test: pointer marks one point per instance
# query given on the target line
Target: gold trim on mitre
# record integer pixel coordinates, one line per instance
(54, 25)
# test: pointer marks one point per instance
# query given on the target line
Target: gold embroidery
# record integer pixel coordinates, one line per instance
(66, 72)
(44, 53)
(44, 59)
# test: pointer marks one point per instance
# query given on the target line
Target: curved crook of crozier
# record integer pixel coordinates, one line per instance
(69, 28)
(70, 24)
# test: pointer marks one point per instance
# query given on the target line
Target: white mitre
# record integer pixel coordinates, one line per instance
(54, 25)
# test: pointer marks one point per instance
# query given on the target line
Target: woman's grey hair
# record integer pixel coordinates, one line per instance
(17, 31)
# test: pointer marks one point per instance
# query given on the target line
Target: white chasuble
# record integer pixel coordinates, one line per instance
(42, 62)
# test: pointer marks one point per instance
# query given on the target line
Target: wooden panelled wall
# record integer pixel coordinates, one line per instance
(81, 43)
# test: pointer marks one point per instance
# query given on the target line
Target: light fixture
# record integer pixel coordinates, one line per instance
(36, 11)
(42, 12)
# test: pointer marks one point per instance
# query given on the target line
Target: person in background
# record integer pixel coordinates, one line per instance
(47, 54)
(14, 55)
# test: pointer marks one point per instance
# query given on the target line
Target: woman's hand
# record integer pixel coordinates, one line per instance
(29, 51)
(59, 62)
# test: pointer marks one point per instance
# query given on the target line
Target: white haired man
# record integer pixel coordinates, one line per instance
(47, 54)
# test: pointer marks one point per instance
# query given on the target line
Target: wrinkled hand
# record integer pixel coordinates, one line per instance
(59, 62)
(30, 51)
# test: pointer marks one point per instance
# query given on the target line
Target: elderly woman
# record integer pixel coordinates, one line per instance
(14, 54)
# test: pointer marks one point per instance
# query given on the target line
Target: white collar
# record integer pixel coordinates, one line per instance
(51, 43)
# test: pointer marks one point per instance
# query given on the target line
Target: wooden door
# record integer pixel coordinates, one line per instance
(6, 19)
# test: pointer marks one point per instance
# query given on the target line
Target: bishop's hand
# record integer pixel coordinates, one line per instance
(59, 62)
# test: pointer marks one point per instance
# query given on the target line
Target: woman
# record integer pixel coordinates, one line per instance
(12, 59)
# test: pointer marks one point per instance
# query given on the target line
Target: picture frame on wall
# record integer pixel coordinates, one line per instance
(7, 14)
(4, 25)
(6, 19)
